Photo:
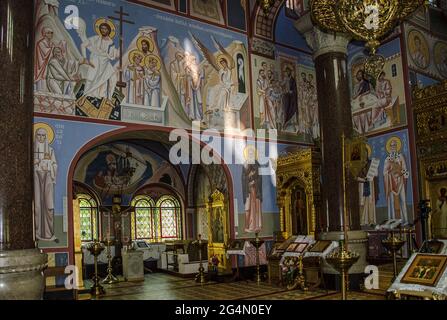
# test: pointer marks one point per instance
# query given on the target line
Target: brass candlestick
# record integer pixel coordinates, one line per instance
(342, 260)
(95, 249)
(393, 244)
(200, 277)
(258, 243)
(110, 278)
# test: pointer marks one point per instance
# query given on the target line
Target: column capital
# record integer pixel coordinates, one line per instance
(319, 41)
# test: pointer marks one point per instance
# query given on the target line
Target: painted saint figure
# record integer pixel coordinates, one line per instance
(193, 94)
(417, 54)
(45, 171)
(384, 94)
(303, 111)
(312, 108)
(363, 86)
(361, 91)
(134, 77)
(61, 73)
(290, 100)
(440, 214)
(153, 82)
(261, 89)
(241, 73)
(177, 74)
(368, 196)
(43, 53)
(273, 108)
(395, 175)
(252, 191)
(101, 76)
(223, 89)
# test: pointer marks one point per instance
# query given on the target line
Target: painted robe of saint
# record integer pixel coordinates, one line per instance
(252, 193)
(45, 171)
(101, 77)
(395, 175)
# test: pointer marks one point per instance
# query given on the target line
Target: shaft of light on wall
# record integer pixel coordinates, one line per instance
(236, 213)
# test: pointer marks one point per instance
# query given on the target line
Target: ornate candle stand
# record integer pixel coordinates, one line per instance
(342, 260)
(393, 244)
(200, 277)
(299, 281)
(257, 243)
(110, 278)
(95, 249)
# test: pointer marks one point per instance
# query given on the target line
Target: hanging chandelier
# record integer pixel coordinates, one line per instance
(365, 20)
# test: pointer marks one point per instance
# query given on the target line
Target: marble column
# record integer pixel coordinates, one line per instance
(21, 264)
(334, 108)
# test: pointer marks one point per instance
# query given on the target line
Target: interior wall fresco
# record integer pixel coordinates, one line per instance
(172, 67)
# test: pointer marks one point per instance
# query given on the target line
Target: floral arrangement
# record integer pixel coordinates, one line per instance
(289, 268)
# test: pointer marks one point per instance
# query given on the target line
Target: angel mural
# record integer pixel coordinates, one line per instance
(221, 96)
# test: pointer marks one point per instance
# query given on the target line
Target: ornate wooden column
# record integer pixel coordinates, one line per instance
(334, 108)
(21, 264)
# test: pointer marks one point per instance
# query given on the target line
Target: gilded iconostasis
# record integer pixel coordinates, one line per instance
(211, 65)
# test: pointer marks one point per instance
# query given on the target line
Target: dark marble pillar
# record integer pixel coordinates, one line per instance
(330, 57)
(335, 120)
(21, 264)
(16, 109)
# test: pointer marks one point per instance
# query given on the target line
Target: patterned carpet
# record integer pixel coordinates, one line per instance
(161, 286)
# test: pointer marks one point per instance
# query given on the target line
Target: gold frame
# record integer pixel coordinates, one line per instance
(218, 201)
(433, 281)
(430, 105)
(298, 169)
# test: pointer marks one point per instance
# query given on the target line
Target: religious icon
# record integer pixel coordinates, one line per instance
(207, 9)
(320, 246)
(301, 247)
(168, 4)
(395, 176)
(440, 214)
(217, 227)
(299, 212)
(252, 190)
(418, 49)
(440, 57)
(45, 173)
(425, 270)
(292, 247)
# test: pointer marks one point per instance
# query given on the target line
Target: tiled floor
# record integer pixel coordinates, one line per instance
(161, 286)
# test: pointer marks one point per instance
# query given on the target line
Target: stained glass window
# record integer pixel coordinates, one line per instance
(142, 220)
(156, 222)
(88, 217)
